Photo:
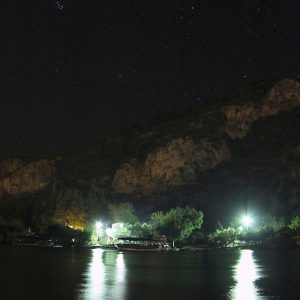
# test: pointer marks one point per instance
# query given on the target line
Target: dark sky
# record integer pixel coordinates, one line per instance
(72, 70)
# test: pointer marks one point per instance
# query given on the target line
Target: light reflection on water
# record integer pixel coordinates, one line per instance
(246, 272)
(105, 276)
(63, 273)
(109, 276)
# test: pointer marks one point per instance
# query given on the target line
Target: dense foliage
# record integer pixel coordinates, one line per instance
(122, 212)
(295, 223)
(225, 237)
(178, 223)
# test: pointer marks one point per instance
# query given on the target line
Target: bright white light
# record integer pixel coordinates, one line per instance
(109, 232)
(98, 225)
(247, 221)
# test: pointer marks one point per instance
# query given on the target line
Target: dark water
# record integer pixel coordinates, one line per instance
(58, 273)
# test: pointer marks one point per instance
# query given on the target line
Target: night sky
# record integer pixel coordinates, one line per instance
(70, 71)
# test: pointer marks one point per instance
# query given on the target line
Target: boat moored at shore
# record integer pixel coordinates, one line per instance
(140, 244)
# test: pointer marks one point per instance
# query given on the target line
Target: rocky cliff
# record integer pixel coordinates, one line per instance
(9, 166)
(181, 160)
(283, 96)
(29, 178)
(246, 147)
(174, 164)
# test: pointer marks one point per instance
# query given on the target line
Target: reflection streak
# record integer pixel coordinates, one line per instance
(119, 288)
(94, 277)
(246, 272)
(105, 276)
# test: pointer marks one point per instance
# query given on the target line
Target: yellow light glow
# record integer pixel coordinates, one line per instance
(76, 227)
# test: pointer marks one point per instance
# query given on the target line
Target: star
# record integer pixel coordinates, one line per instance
(59, 5)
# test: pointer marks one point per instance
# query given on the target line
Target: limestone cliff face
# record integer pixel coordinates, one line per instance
(208, 157)
(9, 166)
(30, 178)
(185, 147)
(284, 96)
(174, 164)
(183, 158)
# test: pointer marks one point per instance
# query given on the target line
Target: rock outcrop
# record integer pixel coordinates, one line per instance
(182, 150)
(174, 164)
(30, 178)
(183, 158)
(284, 96)
(9, 166)
(217, 158)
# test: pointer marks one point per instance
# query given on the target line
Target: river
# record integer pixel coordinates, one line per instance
(62, 273)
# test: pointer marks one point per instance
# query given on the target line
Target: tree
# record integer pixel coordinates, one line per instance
(224, 236)
(97, 208)
(295, 225)
(272, 224)
(196, 238)
(123, 213)
(178, 223)
(139, 229)
(70, 209)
